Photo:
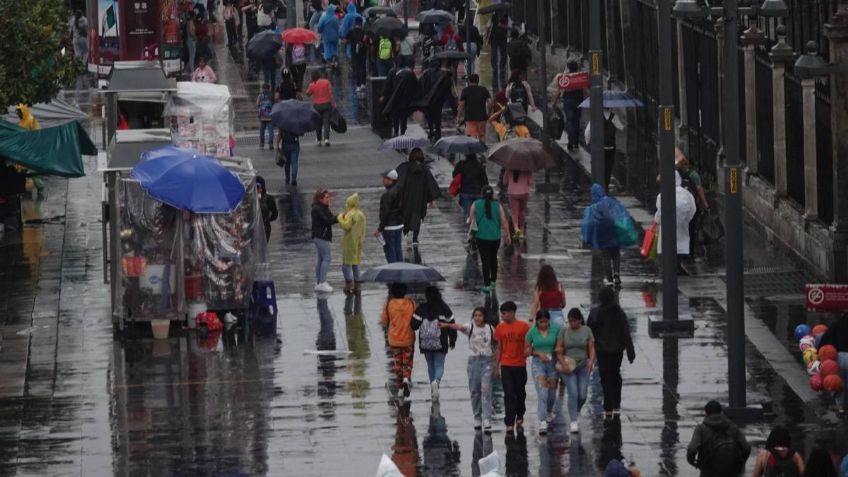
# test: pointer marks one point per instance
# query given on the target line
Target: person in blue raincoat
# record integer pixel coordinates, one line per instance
(607, 226)
(328, 28)
(348, 23)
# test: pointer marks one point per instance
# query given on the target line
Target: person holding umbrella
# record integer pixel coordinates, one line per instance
(491, 226)
(437, 87)
(518, 185)
(322, 236)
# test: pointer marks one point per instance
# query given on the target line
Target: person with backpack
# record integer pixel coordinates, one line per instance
(611, 125)
(356, 41)
(519, 52)
(231, 22)
(481, 342)
(296, 59)
(718, 447)
(612, 338)
(385, 55)
(603, 223)
(264, 104)
(498, 34)
(433, 339)
(518, 91)
(396, 319)
(778, 459)
(540, 343)
(451, 40)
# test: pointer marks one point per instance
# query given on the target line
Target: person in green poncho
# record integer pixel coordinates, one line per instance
(352, 221)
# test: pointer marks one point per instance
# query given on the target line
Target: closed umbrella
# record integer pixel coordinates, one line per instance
(389, 27)
(523, 154)
(458, 145)
(404, 142)
(616, 99)
(188, 180)
(299, 36)
(402, 272)
(264, 45)
(434, 16)
(495, 7)
(295, 117)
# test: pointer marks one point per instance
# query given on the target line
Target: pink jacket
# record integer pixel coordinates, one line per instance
(522, 186)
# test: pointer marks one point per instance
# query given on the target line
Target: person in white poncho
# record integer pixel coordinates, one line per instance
(685, 212)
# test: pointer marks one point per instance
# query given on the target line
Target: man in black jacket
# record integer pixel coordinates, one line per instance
(391, 219)
(718, 448)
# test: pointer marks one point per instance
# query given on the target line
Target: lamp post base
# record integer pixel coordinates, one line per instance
(747, 414)
(682, 327)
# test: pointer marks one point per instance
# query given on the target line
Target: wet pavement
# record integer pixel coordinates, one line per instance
(74, 400)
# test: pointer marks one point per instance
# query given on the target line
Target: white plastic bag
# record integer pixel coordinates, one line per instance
(490, 465)
(387, 468)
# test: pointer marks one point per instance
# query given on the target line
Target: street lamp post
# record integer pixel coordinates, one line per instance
(596, 92)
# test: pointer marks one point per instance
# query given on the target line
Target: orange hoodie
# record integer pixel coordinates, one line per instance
(397, 316)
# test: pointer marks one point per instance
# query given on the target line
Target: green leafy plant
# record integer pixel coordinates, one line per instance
(36, 56)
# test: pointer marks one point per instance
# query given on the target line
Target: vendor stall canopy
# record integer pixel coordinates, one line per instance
(54, 113)
(54, 151)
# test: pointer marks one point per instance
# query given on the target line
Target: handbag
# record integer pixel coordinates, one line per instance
(568, 362)
(337, 121)
(650, 238)
(280, 158)
(455, 184)
(627, 235)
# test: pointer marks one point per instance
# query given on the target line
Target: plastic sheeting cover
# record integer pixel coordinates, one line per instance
(201, 117)
(54, 151)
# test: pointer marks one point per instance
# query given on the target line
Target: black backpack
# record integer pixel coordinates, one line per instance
(782, 466)
(518, 94)
(719, 453)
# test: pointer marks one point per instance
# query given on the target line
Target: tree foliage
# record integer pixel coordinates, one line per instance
(36, 54)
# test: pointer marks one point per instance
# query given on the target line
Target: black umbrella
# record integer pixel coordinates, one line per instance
(375, 11)
(389, 27)
(495, 7)
(402, 272)
(295, 117)
(452, 55)
(523, 154)
(264, 45)
(434, 16)
(458, 145)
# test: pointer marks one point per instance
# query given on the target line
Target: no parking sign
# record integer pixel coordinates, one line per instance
(573, 81)
(826, 297)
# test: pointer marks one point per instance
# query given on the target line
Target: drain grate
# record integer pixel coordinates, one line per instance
(768, 281)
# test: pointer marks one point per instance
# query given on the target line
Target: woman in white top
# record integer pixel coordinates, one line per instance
(480, 365)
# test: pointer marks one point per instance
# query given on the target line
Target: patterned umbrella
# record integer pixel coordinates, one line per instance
(404, 142)
(458, 145)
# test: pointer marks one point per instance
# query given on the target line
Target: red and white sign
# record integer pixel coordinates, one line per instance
(826, 297)
(573, 81)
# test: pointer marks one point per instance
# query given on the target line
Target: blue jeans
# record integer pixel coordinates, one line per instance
(191, 46)
(842, 397)
(544, 379)
(480, 369)
(572, 120)
(322, 262)
(350, 272)
(471, 49)
(465, 201)
(292, 153)
(557, 317)
(394, 245)
(577, 384)
(268, 73)
(435, 364)
(263, 126)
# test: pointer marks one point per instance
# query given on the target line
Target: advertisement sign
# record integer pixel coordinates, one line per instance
(105, 36)
(171, 46)
(826, 297)
(140, 34)
(573, 81)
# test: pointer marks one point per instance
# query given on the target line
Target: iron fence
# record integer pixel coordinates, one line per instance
(765, 117)
(824, 159)
(794, 140)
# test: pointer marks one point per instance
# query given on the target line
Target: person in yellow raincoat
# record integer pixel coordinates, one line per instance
(352, 221)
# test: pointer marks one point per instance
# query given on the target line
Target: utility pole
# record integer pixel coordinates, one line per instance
(596, 92)
(665, 134)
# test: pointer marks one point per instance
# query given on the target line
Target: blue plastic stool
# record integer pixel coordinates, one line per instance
(263, 308)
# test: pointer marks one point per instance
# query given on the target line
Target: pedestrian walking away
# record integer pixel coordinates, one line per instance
(396, 319)
(611, 125)
(539, 345)
(231, 23)
(322, 97)
(328, 27)
(518, 185)
(821, 463)
(322, 236)
(288, 144)
(519, 91)
(434, 340)
(390, 229)
(436, 88)
(264, 104)
(778, 458)
(498, 35)
(519, 52)
(718, 447)
(491, 224)
(481, 342)
(296, 59)
(400, 92)
(356, 42)
(612, 338)
(511, 366)
(549, 295)
(418, 188)
(267, 205)
(476, 103)
(353, 222)
(575, 354)
(473, 46)
(685, 213)
(607, 226)
(406, 52)
(473, 179)
(571, 107)
(386, 50)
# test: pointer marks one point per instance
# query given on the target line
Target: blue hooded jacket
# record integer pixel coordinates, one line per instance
(328, 25)
(349, 19)
(607, 223)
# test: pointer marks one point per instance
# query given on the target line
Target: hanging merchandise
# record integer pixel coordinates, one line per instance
(201, 117)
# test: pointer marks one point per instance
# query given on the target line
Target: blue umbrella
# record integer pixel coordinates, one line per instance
(295, 117)
(402, 272)
(187, 180)
(458, 145)
(404, 142)
(616, 99)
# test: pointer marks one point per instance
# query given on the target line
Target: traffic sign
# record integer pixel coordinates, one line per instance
(826, 297)
(573, 81)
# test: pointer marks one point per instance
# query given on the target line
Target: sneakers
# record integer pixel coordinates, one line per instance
(434, 390)
(617, 280)
(404, 387)
(574, 427)
(327, 142)
(478, 424)
(487, 426)
(543, 427)
(608, 282)
(348, 288)
(324, 287)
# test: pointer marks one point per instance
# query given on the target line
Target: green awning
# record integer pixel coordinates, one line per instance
(53, 151)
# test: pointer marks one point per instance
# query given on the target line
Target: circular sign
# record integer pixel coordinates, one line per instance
(563, 81)
(815, 296)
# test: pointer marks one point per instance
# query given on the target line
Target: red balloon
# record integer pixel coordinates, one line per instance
(816, 383)
(833, 383)
(819, 329)
(827, 352)
(829, 368)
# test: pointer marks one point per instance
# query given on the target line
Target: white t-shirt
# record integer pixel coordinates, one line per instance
(480, 339)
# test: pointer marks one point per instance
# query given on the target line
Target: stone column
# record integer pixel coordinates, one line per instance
(781, 55)
(837, 33)
(811, 193)
(750, 39)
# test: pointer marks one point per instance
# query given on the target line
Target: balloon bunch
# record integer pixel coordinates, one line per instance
(821, 361)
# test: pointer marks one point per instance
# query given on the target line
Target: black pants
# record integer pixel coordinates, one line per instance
(399, 123)
(609, 367)
(358, 66)
(514, 379)
(612, 262)
(232, 36)
(489, 259)
(609, 164)
(297, 72)
(434, 123)
(498, 59)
